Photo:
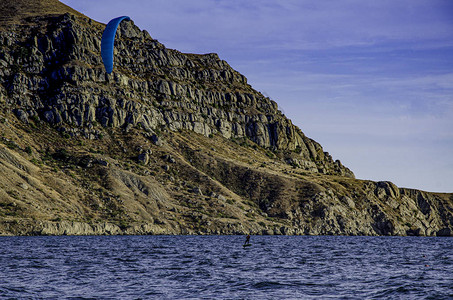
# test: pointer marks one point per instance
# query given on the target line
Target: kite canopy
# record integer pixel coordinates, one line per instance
(107, 43)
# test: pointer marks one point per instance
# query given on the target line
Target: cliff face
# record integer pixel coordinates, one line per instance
(55, 73)
(168, 143)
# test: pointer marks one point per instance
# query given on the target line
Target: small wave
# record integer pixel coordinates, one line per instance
(12, 289)
(121, 259)
(276, 285)
(267, 285)
(394, 292)
(206, 263)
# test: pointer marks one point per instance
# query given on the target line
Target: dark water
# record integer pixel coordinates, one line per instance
(217, 267)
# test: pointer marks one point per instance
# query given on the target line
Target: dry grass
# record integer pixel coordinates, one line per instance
(16, 11)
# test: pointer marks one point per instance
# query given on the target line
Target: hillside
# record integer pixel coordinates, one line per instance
(23, 11)
(169, 143)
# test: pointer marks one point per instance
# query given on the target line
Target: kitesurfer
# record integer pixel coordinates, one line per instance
(247, 239)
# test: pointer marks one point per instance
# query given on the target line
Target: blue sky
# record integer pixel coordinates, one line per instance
(371, 81)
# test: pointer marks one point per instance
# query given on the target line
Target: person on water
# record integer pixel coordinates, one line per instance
(247, 239)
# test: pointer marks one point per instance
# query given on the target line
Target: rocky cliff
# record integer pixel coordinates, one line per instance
(53, 72)
(168, 143)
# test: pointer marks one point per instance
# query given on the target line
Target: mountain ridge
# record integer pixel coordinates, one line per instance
(170, 143)
(19, 10)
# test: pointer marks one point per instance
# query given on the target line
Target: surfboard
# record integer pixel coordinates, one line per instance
(246, 245)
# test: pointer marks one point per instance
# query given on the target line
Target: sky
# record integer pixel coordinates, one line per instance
(371, 81)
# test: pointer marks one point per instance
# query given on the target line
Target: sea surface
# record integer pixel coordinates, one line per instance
(218, 267)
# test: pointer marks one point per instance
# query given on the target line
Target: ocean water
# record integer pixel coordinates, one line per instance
(218, 267)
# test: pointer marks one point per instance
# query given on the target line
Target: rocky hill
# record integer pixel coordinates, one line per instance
(169, 143)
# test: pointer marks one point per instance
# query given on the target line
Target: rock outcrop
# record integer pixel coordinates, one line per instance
(169, 143)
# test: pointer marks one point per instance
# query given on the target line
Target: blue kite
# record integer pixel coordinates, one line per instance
(108, 40)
